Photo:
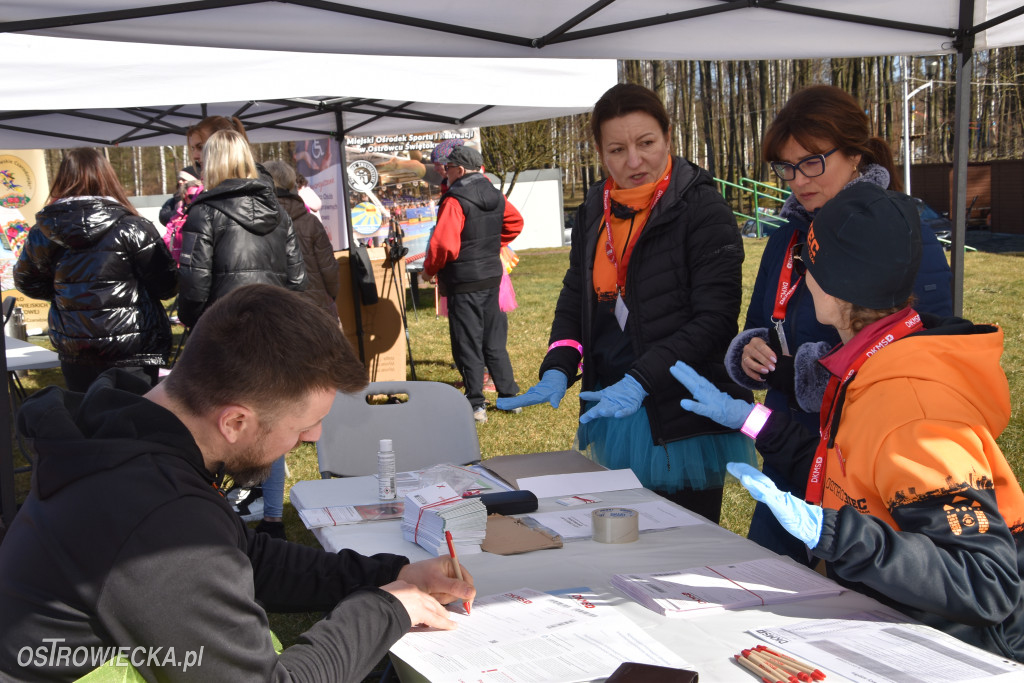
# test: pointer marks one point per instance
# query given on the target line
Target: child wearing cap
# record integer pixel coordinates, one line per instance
(909, 498)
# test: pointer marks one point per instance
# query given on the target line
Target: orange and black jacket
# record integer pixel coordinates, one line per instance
(922, 510)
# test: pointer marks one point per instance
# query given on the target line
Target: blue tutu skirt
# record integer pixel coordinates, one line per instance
(695, 463)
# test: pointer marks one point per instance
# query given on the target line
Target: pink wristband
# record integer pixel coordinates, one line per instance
(755, 420)
(567, 342)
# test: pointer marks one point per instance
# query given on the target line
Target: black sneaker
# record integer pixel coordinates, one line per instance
(272, 529)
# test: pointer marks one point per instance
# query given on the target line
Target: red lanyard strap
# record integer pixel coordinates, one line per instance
(609, 247)
(905, 323)
(786, 287)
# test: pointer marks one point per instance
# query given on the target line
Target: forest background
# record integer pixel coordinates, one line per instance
(719, 111)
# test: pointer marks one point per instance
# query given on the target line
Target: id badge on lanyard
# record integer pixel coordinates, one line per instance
(621, 311)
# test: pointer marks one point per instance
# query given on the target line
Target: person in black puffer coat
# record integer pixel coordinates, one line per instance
(236, 233)
(654, 275)
(322, 271)
(104, 269)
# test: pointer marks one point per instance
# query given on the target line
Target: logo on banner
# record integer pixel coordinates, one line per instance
(362, 176)
(17, 182)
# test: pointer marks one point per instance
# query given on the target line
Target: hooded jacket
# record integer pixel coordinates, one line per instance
(323, 280)
(105, 272)
(922, 510)
(236, 234)
(124, 541)
(683, 290)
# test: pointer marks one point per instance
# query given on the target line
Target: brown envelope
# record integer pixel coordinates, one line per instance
(509, 536)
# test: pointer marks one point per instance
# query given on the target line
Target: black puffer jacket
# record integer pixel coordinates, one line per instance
(683, 291)
(105, 272)
(322, 272)
(236, 234)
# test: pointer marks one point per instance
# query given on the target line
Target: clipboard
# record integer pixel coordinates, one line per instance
(512, 468)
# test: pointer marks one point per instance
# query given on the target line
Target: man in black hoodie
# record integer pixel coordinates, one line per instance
(125, 545)
(474, 222)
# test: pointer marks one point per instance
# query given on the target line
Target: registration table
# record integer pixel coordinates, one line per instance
(707, 642)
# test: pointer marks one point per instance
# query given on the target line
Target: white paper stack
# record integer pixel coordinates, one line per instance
(726, 586)
(431, 511)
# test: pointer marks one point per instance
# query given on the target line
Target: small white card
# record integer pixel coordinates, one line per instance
(621, 312)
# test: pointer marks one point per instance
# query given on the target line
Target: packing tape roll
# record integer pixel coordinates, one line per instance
(615, 525)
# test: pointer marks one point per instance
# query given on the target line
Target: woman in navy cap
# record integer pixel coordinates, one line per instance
(909, 498)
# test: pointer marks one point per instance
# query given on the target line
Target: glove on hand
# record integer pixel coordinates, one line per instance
(801, 519)
(550, 388)
(619, 400)
(710, 401)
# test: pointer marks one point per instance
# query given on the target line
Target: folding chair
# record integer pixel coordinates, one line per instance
(435, 425)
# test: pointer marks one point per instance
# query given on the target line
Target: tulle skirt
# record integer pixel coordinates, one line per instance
(506, 298)
(697, 462)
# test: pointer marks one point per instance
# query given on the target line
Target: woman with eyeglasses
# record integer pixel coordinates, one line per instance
(908, 497)
(819, 143)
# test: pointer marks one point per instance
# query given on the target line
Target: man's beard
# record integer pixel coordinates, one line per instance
(250, 466)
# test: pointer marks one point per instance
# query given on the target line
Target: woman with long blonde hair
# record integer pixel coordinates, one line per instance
(236, 232)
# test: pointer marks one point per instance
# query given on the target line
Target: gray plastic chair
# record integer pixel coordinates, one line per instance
(434, 426)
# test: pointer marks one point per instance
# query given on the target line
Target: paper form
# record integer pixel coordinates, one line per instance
(527, 636)
(873, 647)
(654, 515)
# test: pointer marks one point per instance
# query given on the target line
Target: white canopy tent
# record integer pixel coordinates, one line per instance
(72, 92)
(638, 29)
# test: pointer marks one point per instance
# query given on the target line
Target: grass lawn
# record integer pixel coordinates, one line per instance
(993, 290)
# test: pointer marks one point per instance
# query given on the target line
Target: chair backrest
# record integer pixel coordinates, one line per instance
(434, 426)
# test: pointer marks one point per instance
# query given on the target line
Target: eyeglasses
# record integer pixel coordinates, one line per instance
(811, 167)
(799, 267)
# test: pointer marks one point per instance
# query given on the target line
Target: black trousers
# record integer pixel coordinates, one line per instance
(479, 331)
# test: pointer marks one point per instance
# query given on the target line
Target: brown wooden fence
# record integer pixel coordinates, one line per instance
(995, 192)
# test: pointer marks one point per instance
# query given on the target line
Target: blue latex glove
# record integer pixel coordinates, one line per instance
(801, 519)
(711, 401)
(550, 388)
(619, 400)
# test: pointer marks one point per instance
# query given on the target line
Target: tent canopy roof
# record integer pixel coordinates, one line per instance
(648, 29)
(139, 94)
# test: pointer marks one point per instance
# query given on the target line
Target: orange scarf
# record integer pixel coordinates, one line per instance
(638, 199)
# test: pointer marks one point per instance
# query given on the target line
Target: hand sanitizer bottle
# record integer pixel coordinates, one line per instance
(386, 471)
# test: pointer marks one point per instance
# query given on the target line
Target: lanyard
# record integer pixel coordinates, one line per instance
(906, 324)
(609, 248)
(784, 292)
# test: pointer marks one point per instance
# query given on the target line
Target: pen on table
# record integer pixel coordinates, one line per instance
(777, 668)
(455, 561)
(746, 664)
(815, 674)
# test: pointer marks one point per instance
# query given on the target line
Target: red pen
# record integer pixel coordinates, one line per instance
(455, 561)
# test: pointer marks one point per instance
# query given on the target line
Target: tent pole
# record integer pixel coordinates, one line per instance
(961, 151)
(8, 507)
(357, 306)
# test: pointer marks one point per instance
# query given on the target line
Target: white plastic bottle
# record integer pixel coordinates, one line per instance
(386, 471)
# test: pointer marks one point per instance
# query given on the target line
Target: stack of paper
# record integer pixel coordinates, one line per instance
(431, 511)
(728, 586)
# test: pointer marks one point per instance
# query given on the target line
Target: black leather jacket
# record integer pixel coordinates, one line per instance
(236, 234)
(105, 272)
